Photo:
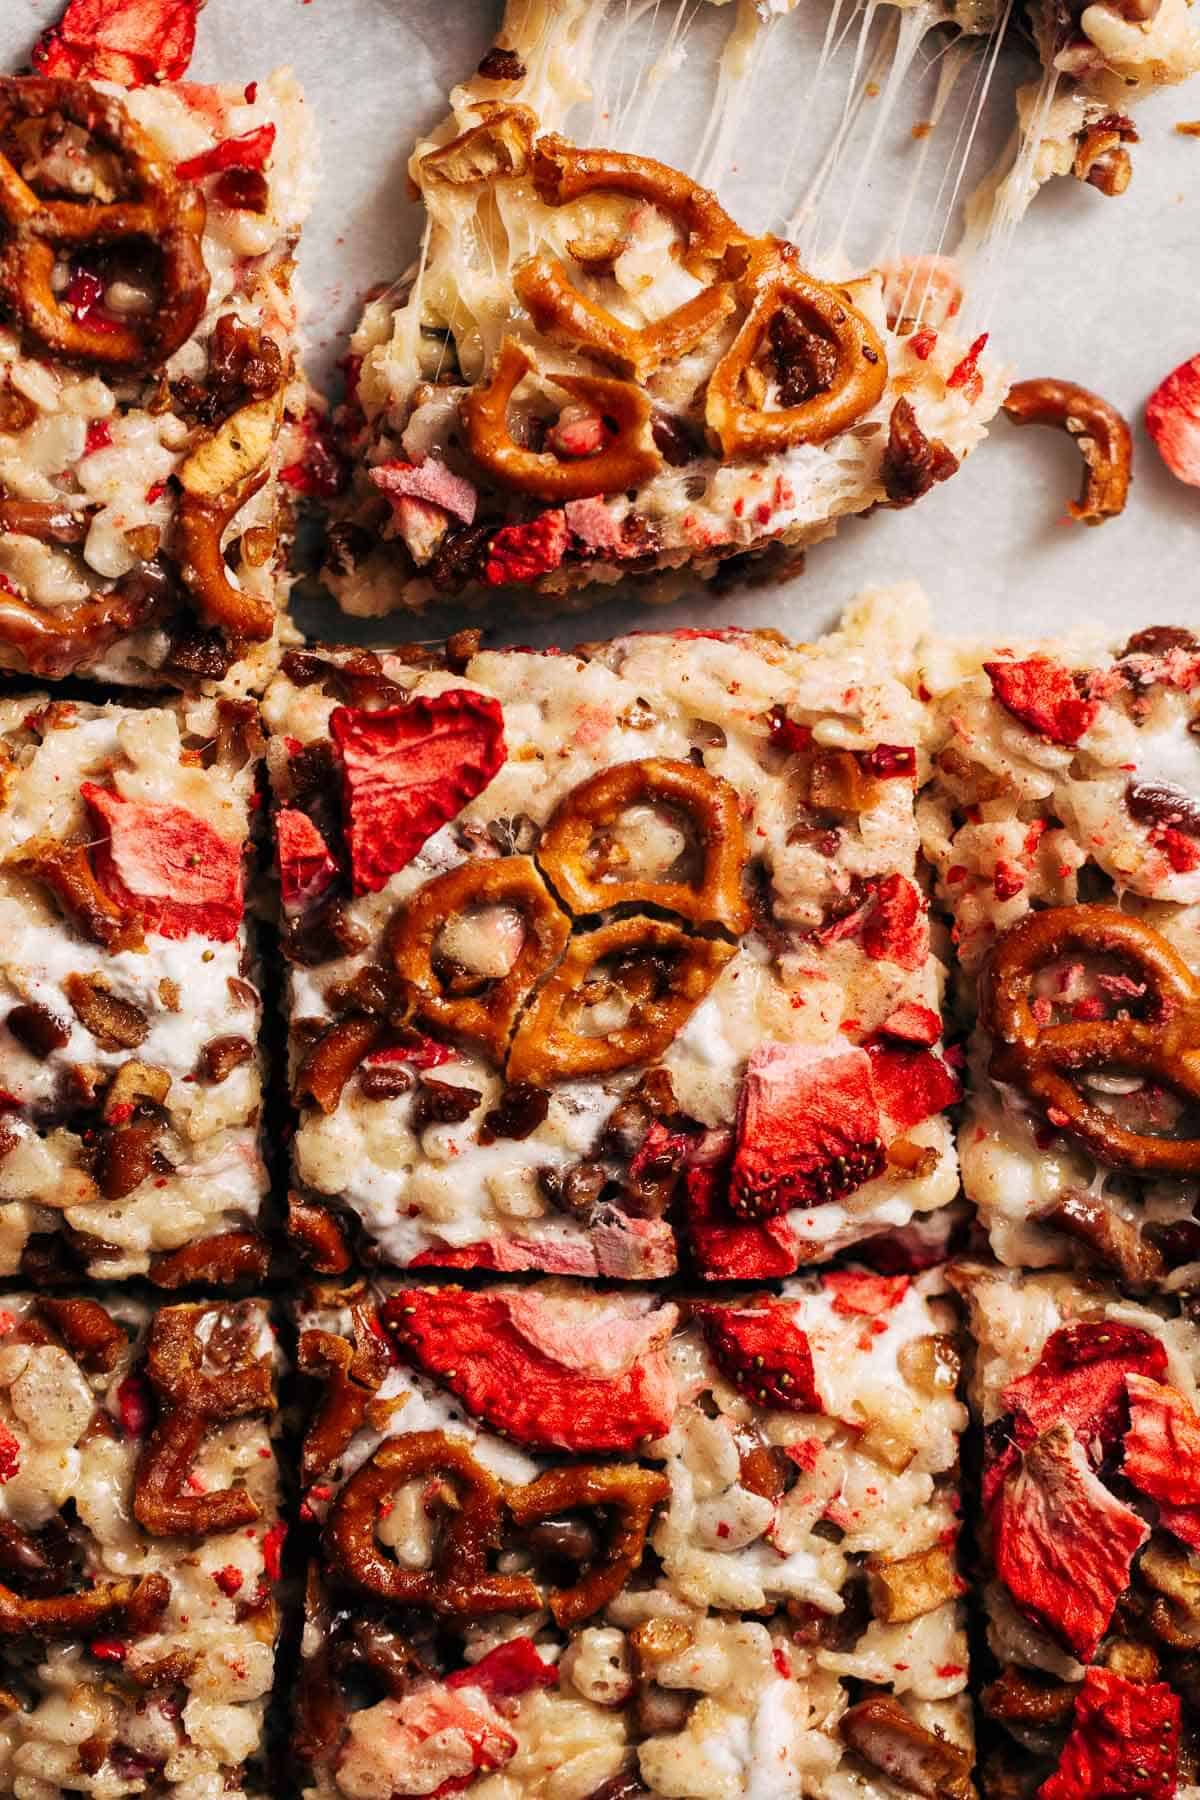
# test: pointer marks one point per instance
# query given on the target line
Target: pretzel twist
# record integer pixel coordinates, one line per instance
(566, 856)
(559, 310)
(628, 1493)
(168, 214)
(1045, 1060)
(217, 479)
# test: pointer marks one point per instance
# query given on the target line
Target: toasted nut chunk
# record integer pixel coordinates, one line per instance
(913, 1585)
(1027, 1697)
(114, 1023)
(881, 1732)
(657, 1641)
(134, 1082)
(37, 1030)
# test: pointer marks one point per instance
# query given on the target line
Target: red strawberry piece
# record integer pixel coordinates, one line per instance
(272, 1548)
(895, 928)
(165, 864)
(593, 524)
(912, 1024)
(431, 481)
(1007, 881)
(109, 1650)
(551, 1376)
(229, 1579)
(135, 1405)
(726, 1248)
(965, 373)
(305, 866)
(99, 437)
(1173, 421)
(911, 1084)
(1063, 1544)
(858, 1291)
(808, 1129)
(10, 1454)
(250, 151)
(422, 1053)
(1079, 1380)
(1162, 1455)
(889, 761)
(788, 735)
(1124, 1742)
(510, 1669)
(408, 769)
(1181, 850)
(1040, 693)
(520, 553)
(128, 41)
(763, 1351)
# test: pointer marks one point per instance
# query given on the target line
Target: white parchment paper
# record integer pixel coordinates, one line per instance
(1101, 291)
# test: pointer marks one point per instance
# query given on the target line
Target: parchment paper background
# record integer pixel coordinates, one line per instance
(1102, 291)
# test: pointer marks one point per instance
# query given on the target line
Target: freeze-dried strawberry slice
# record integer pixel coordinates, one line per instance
(430, 481)
(726, 1248)
(896, 928)
(763, 1351)
(128, 41)
(552, 1375)
(510, 1669)
(860, 1291)
(408, 769)
(910, 1084)
(519, 553)
(1040, 692)
(305, 866)
(1162, 1445)
(1173, 421)
(912, 1024)
(1064, 1545)
(427, 1739)
(808, 1129)
(1079, 1380)
(1124, 1742)
(249, 151)
(167, 866)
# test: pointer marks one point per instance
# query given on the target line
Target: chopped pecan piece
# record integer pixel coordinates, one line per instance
(115, 1024)
(1113, 1241)
(37, 1030)
(882, 1733)
(218, 1261)
(222, 1055)
(912, 463)
(125, 1158)
(1027, 1697)
(67, 871)
(134, 1084)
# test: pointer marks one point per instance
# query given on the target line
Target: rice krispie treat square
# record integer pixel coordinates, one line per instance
(148, 391)
(607, 1544)
(1063, 818)
(591, 950)
(1090, 1529)
(130, 1080)
(140, 1545)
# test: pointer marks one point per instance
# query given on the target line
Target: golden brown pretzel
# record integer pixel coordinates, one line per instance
(66, 869)
(459, 1581)
(626, 1491)
(135, 1605)
(666, 974)
(557, 308)
(217, 479)
(774, 280)
(566, 856)
(1045, 1060)
(351, 1372)
(487, 1017)
(192, 1400)
(168, 214)
(54, 641)
(629, 459)
(1104, 439)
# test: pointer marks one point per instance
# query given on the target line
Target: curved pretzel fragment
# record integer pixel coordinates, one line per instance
(134, 1605)
(327, 1065)
(459, 1582)
(66, 869)
(352, 1374)
(220, 1260)
(663, 973)
(486, 1017)
(627, 1492)
(193, 1399)
(774, 281)
(1103, 437)
(87, 1329)
(626, 461)
(1045, 1060)
(168, 215)
(559, 310)
(55, 641)
(217, 479)
(567, 858)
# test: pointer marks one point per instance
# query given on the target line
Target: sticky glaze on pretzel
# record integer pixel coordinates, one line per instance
(217, 479)
(1045, 1061)
(566, 856)
(134, 1605)
(559, 310)
(167, 215)
(55, 641)
(662, 973)
(626, 1493)
(774, 280)
(194, 1400)
(626, 461)
(351, 1372)
(486, 1017)
(459, 1581)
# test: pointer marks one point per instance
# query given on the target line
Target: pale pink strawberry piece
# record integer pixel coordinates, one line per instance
(131, 42)
(1162, 1453)
(1173, 421)
(430, 481)
(910, 1084)
(808, 1129)
(305, 866)
(1124, 1742)
(1080, 1380)
(926, 286)
(166, 865)
(1041, 694)
(409, 769)
(433, 1742)
(726, 1248)
(520, 553)
(859, 1291)
(578, 1382)
(593, 524)
(512, 1668)
(1063, 1544)
(249, 151)
(912, 1024)
(896, 928)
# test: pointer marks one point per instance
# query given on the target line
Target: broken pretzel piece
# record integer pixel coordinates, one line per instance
(1101, 433)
